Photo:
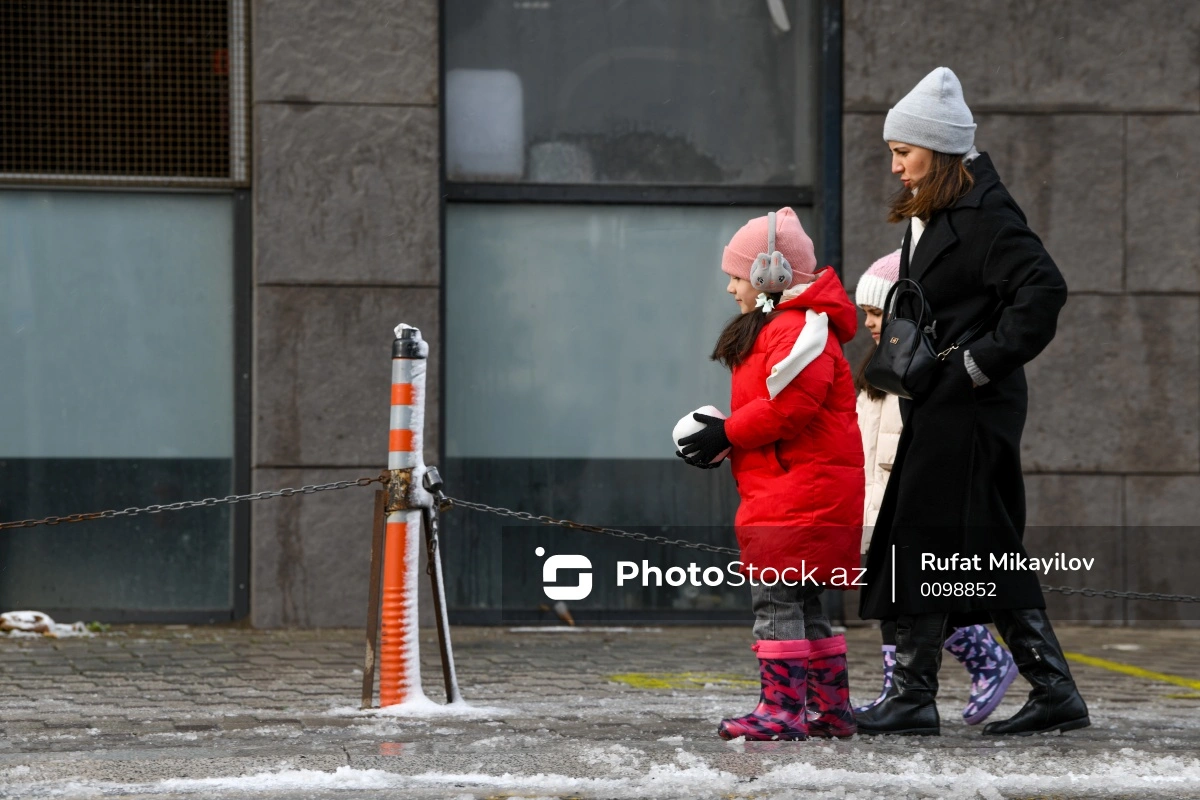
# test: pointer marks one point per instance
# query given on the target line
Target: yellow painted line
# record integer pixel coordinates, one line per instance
(700, 680)
(1129, 669)
(681, 680)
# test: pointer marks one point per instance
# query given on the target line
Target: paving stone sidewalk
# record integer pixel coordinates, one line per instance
(165, 711)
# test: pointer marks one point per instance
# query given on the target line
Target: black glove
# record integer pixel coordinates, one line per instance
(703, 446)
(695, 463)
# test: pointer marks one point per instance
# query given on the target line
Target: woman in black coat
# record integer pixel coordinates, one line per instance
(955, 502)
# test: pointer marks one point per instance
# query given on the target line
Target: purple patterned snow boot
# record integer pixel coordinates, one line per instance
(991, 667)
(783, 667)
(889, 663)
(829, 712)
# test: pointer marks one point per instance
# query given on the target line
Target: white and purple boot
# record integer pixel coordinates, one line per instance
(991, 666)
(889, 664)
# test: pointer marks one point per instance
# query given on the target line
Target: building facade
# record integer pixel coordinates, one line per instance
(543, 187)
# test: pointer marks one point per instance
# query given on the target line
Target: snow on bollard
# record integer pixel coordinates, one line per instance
(399, 655)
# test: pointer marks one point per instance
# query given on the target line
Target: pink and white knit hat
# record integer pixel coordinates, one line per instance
(876, 282)
(790, 240)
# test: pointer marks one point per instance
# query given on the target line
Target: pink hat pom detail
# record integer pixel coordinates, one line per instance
(887, 267)
(790, 239)
(877, 281)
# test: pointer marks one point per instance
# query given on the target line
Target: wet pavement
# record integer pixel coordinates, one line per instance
(620, 712)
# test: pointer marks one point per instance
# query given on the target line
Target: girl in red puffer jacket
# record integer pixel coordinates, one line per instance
(797, 459)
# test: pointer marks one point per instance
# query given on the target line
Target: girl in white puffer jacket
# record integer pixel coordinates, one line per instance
(991, 666)
(878, 412)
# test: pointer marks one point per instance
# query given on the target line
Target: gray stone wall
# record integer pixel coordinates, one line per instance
(346, 245)
(1091, 113)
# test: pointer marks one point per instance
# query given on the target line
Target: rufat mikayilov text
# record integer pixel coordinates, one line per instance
(1059, 562)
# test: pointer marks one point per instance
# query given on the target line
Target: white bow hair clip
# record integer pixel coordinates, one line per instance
(765, 303)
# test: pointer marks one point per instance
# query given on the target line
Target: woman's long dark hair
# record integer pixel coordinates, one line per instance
(860, 378)
(948, 180)
(736, 341)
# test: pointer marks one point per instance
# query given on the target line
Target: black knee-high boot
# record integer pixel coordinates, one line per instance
(910, 706)
(1054, 703)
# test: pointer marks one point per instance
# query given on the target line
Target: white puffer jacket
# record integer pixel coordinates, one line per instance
(879, 422)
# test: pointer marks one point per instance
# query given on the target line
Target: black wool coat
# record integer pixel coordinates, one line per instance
(956, 491)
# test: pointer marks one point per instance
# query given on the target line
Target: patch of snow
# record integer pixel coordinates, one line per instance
(511, 740)
(23, 624)
(288, 779)
(189, 736)
(1028, 773)
(691, 777)
(616, 757)
(421, 707)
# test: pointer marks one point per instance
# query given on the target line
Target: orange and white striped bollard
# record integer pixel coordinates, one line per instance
(399, 654)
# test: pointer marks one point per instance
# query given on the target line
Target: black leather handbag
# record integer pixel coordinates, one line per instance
(906, 363)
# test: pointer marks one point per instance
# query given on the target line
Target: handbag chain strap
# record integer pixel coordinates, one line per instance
(929, 330)
(966, 337)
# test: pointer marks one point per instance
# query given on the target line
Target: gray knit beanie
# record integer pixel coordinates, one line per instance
(933, 115)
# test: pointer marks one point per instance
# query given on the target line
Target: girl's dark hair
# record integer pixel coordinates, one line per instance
(736, 341)
(948, 180)
(860, 378)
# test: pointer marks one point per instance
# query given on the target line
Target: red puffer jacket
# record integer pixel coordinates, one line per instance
(797, 453)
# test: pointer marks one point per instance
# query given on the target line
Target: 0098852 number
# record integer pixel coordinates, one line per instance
(947, 589)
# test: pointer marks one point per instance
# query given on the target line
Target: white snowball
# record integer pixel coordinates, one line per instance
(688, 425)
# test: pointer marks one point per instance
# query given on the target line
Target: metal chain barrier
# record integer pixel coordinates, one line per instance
(566, 523)
(1113, 594)
(524, 516)
(206, 503)
(450, 502)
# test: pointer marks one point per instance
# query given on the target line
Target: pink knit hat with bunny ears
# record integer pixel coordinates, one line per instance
(876, 282)
(790, 240)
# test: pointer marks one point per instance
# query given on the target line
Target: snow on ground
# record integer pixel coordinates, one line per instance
(421, 707)
(17, 624)
(632, 773)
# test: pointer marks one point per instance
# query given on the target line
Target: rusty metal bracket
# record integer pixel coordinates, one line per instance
(399, 485)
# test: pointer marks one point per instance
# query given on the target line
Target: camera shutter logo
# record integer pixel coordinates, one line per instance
(570, 561)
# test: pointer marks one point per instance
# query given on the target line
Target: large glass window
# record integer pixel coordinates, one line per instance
(116, 347)
(583, 331)
(650, 91)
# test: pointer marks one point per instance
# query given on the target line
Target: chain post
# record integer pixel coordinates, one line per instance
(432, 482)
(399, 660)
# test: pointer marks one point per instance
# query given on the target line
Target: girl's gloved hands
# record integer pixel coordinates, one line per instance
(702, 447)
